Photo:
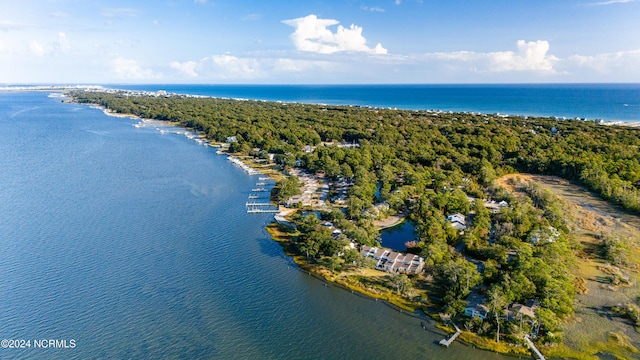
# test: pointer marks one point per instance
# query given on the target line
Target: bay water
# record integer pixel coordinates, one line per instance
(134, 242)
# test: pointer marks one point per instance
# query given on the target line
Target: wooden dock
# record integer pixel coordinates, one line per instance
(533, 348)
(257, 211)
(446, 342)
(258, 202)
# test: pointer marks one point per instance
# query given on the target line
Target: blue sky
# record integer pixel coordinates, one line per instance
(319, 42)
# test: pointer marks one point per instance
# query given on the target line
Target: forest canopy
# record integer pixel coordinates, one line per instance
(429, 165)
(397, 147)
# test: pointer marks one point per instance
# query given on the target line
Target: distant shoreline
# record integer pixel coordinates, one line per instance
(343, 97)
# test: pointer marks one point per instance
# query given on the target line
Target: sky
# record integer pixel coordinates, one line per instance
(319, 42)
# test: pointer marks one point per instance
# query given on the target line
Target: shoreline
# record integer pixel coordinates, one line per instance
(320, 269)
(396, 302)
(635, 123)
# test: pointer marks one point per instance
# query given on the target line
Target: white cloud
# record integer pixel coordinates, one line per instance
(611, 2)
(59, 46)
(62, 44)
(223, 66)
(312, 35)
(188, 67)
(232, 68)
(287, 65)
(531, 56)
(621, 61)
(529, 61)
(373, 9)
(37, 49)
(128, 69)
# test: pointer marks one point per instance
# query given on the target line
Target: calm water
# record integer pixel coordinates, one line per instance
(611, 102)
(136, 244)
(396, 237)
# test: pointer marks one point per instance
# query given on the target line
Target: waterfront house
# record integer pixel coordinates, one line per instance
(478, 311)
(476, 307)
(392, 261)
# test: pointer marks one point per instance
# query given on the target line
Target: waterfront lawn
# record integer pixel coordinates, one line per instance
(373, 283)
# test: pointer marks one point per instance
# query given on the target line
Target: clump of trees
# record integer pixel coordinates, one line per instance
(630, 311)
(614, 249)
(286, 188)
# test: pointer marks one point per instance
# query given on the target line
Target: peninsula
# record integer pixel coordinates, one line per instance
(506, 257)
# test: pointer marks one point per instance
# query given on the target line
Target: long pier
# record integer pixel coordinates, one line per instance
(446, 342)
(533, 348)
(257, 204)
(256, 211)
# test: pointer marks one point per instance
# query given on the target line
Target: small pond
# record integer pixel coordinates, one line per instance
(395, 237)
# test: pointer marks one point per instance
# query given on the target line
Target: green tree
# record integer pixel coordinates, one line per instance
(401, 283)
(286, 188)
(497, 303)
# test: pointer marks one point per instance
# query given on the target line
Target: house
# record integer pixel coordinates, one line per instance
(411, 264)
(479, 311)
(544, 235)
(495, 206)
(367, 251)
(392, 261)
(520, 310)
(476, 307)
(458, 221)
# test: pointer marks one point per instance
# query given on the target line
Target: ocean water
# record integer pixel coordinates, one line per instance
(610, 102)
(135, 243)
